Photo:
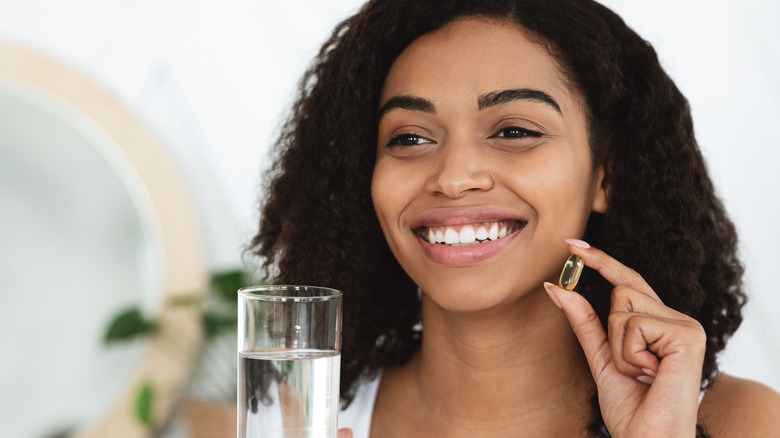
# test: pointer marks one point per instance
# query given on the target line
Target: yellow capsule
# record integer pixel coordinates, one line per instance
(571, 272)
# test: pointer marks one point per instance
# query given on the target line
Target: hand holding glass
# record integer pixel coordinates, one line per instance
(289, 357)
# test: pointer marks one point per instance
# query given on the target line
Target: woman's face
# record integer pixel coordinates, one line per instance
(483, 164)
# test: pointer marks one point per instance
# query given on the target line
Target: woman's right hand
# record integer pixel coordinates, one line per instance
(647, 366)
(345, 433)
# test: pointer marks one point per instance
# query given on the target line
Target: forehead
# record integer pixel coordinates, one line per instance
(472, 56)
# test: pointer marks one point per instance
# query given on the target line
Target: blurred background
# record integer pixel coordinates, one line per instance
(133, 134)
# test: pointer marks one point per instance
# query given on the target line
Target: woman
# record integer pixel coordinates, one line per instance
(443, 160)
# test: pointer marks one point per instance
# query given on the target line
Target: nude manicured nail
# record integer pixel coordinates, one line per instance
(646, 379)
(578, 243)
(551, 294)
(649, 372)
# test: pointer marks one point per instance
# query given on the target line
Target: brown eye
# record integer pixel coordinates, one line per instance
(407, 140)
(517, 132)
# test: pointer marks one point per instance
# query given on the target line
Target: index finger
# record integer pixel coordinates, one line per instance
(612, 270)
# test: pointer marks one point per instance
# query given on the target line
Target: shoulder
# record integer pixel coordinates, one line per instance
(739, 407)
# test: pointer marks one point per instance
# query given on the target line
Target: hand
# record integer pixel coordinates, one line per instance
(345, 433)
(647, 366)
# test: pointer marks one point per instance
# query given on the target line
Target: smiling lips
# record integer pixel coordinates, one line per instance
(465, 235)
(458, 237)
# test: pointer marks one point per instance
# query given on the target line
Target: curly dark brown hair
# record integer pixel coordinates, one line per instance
(664, 220)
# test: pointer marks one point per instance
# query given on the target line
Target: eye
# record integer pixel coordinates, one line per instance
(517, 132)
(407, 140)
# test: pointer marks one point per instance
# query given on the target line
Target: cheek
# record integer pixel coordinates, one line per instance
(379, 195)
(390, 189)
(559, 188)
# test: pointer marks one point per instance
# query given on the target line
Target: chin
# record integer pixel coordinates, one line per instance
(466, 296)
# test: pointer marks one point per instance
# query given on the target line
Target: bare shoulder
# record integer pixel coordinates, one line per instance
(735, 407)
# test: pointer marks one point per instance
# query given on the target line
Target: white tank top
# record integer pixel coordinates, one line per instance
(358, 415)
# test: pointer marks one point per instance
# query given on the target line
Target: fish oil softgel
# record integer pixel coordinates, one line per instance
(571, 272)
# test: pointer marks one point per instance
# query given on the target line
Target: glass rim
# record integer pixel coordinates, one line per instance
(325, 293)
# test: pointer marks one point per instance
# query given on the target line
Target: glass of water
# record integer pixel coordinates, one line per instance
(289, 360)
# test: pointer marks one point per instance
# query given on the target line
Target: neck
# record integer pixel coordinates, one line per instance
(501, 367)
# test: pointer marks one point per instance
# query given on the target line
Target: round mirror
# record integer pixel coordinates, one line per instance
(95, 219)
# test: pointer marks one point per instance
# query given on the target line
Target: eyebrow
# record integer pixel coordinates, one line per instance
(410, 103)
(486, 100)
(506, 96)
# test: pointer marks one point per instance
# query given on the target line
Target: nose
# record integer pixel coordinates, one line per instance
(461, 168)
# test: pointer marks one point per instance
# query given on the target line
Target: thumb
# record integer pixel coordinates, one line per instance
(345, 433)
(586, 326)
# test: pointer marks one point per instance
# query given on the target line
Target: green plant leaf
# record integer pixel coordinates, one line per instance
(144, 404)
(226, 283)
(128, 324)
(214, 323)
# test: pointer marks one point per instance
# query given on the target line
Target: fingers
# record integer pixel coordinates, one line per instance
(609, 268)
(629, 347)
(586, 326)
(635, 343)
(345, 433)
(641, 330)
(635, 325)
(626, 299)
(643, 344)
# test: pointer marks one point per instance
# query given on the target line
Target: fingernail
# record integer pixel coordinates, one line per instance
(649, 372)
(578, 243)
(551, 294)
(646, 379)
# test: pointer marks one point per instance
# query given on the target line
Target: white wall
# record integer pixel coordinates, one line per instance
(213, 77)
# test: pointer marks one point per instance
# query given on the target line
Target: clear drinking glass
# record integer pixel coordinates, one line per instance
(289, 361)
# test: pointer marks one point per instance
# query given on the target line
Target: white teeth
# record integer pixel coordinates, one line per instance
(467, 235)
(451, 236)
(493, 233)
